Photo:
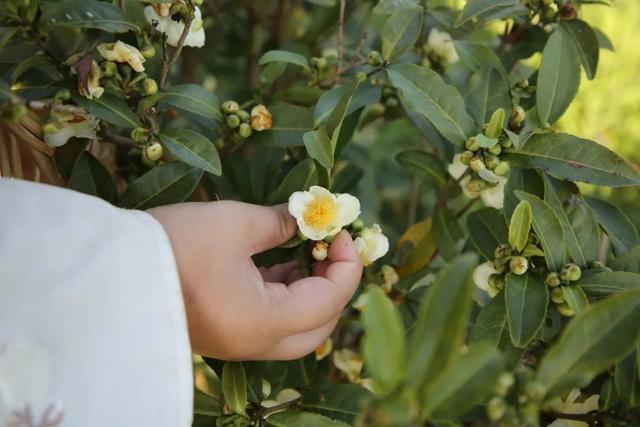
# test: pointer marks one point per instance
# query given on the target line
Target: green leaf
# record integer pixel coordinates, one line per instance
(424, 165)
(478, 57)
(234, 387)
(192, 148)
(426, 93)
(67, 155)
(487, 92)
(301, 177)
(284, 56)
(109, 108)
(585, 227)
(290, 122)
(603, 283)
(468, 381)
(263, 171)
(487, 229)
(336, 401)
(446, 233)
(302, 419)
(570, 238)
(205, 404)
(558, 78)
(486, 10)
(621, 231)
(526, 299)
(343, 100)
(170, 183)
(627, 262)
(520, 225)
(89, 176)
(347, 178)
(627, 381)
(568, 157)
(385, 341)
(86, 14)
(576, 298)
(548, 229)
(189, 97)
(527, 180)
(591, 343)
(401, 31)
(585, 41)
(386, 7)
(442, 320)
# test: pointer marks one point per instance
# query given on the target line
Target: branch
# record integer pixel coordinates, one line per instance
(590, 417)
(118, 140)
(167, 62)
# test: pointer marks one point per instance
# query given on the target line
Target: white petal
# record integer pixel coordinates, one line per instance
(457, 168)
(494, 196)
(195, 38)
(298, 202)
(348, 209)
(58, 139)
(481, 275)
(463, 185)
(312, 233)
(318, 191)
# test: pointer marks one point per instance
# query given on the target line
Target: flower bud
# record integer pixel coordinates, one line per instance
(148, 51)
(523, 84)
(357, 225)
(150, 87)
(596, 264)
(518, 265)
(476, 164)
(243, 115)
(261, 118)
(244, 130)
(139, 135)
(495, 150)
(570, 273)
(392, 102)
(50, 128)
(471, 144)
(504, 382)
(230, 107)
(557, 295)
(500, 264)
(197, 2)
(502, 169)
(568, 12)
(466, 157)
(63, 94)
(378, 109)
(320, 250)
(517, 116)
(374, 58)
(503, 250)
(389, 277)
(535, 390)
(506, 142)
(233, 121)
(491, 161)
(361, 76)
(153, 151)
(496, 408)
(565, 310)
(475, 185)
(318, 63)
(552, 280)
(17, 113)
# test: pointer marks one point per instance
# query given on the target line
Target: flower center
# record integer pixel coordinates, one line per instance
(320, 213)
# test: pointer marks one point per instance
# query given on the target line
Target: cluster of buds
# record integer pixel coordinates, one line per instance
(517, 398)
(568, 275)
(152, 150)
(243, 123)
(508, 260)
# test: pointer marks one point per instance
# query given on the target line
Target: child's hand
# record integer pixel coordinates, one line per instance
(237, 311)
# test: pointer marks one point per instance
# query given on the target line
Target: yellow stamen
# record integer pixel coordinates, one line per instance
(320, 213)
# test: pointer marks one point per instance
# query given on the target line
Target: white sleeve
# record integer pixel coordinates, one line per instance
(92, 324)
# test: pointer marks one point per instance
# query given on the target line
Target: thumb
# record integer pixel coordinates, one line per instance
(266, 227)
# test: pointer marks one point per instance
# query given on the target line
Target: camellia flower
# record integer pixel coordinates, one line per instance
(441, 45)
(261, 118)
(371, 244)
(492, 194)
(159, 16)
(122, 52)
(68, 122)
(481, 277)
(320, 213)
(325, 349)
(570, 406)
(93, 88)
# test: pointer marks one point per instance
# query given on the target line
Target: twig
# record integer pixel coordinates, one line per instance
(118, 140)
(167, 62)
(591, 417)
(341, 34)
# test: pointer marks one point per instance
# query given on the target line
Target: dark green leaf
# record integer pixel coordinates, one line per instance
(425, 92)
(487, 92)
(621, 231)
(478, 57)
(302, 419)
(594, 340)
(446, 233)
(67, 155)
(86, 14)
(336, 401)
(576, 298)
(526, 298)
(284, 56)
(189, 97)
(585, 41)
(290, 122)
(89, 176)
(263, 172)
(603, 282)
(205, 404)
(347, 178)
(385, 7)
(234, 387)
(627, 381)
(627, 262)
(192, 148)
(423, 165)
(559, 77)
(111, 109)
(401, 31)
(569, 157)
(487, 229)
(585, 227)
(170, 183)
(527, 180)
(520, 225)
(301, 177)
(486, 10)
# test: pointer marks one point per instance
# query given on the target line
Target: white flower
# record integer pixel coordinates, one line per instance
(122, 52)
(159, 16)
(570, 406)
(67, 123)
(457, 168)
(481, 277)
(371, 244)
(261, 118)
(441, 45)
(320, 213)
(493, 196)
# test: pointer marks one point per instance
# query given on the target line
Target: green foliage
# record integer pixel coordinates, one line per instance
(438, 116)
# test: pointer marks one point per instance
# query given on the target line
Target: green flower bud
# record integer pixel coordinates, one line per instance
(476, 164)
(504, 382)
(139, 135)
(466, 157)
(503, 250)
(392, 102)
(233, 121)
(148, 51)
(153, 151)
(518, 265)
(150, 87)
(523, 84)
(496, 149)
(63, 94)
(388, 91)
(230, 107)
(506, 142)
(552, 280)
(378, 109)
(197, 2)
(318, 63)
(496, 408)
(245, 130)
(565, 310)
(471, 144)
(357, 225)
(109, 69)
(244, 115)
(517, 116)
(493, 280)
(502, 169)
(596, 264)
(361, 76)
(535, 390)
(557, 295)
(491, 161)
(17, 113)
(50, 128)
(494, 128)
(374, 58)
(500, 264)
(500, 283)
(570, 273)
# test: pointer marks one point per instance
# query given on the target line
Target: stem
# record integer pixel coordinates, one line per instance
(341, 34)
(118, 140)
(167, 62)
(591, 417)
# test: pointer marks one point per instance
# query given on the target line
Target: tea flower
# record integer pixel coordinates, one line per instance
(159, 15)
(320, 213)
(481, 277)
(492, 194)
(261, 118)
(440, 44)
(124, 53)
(67, 123)
(93, 88)
(371, 244)
(570, 406)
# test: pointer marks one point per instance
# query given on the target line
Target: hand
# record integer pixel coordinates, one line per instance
(236, 311)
